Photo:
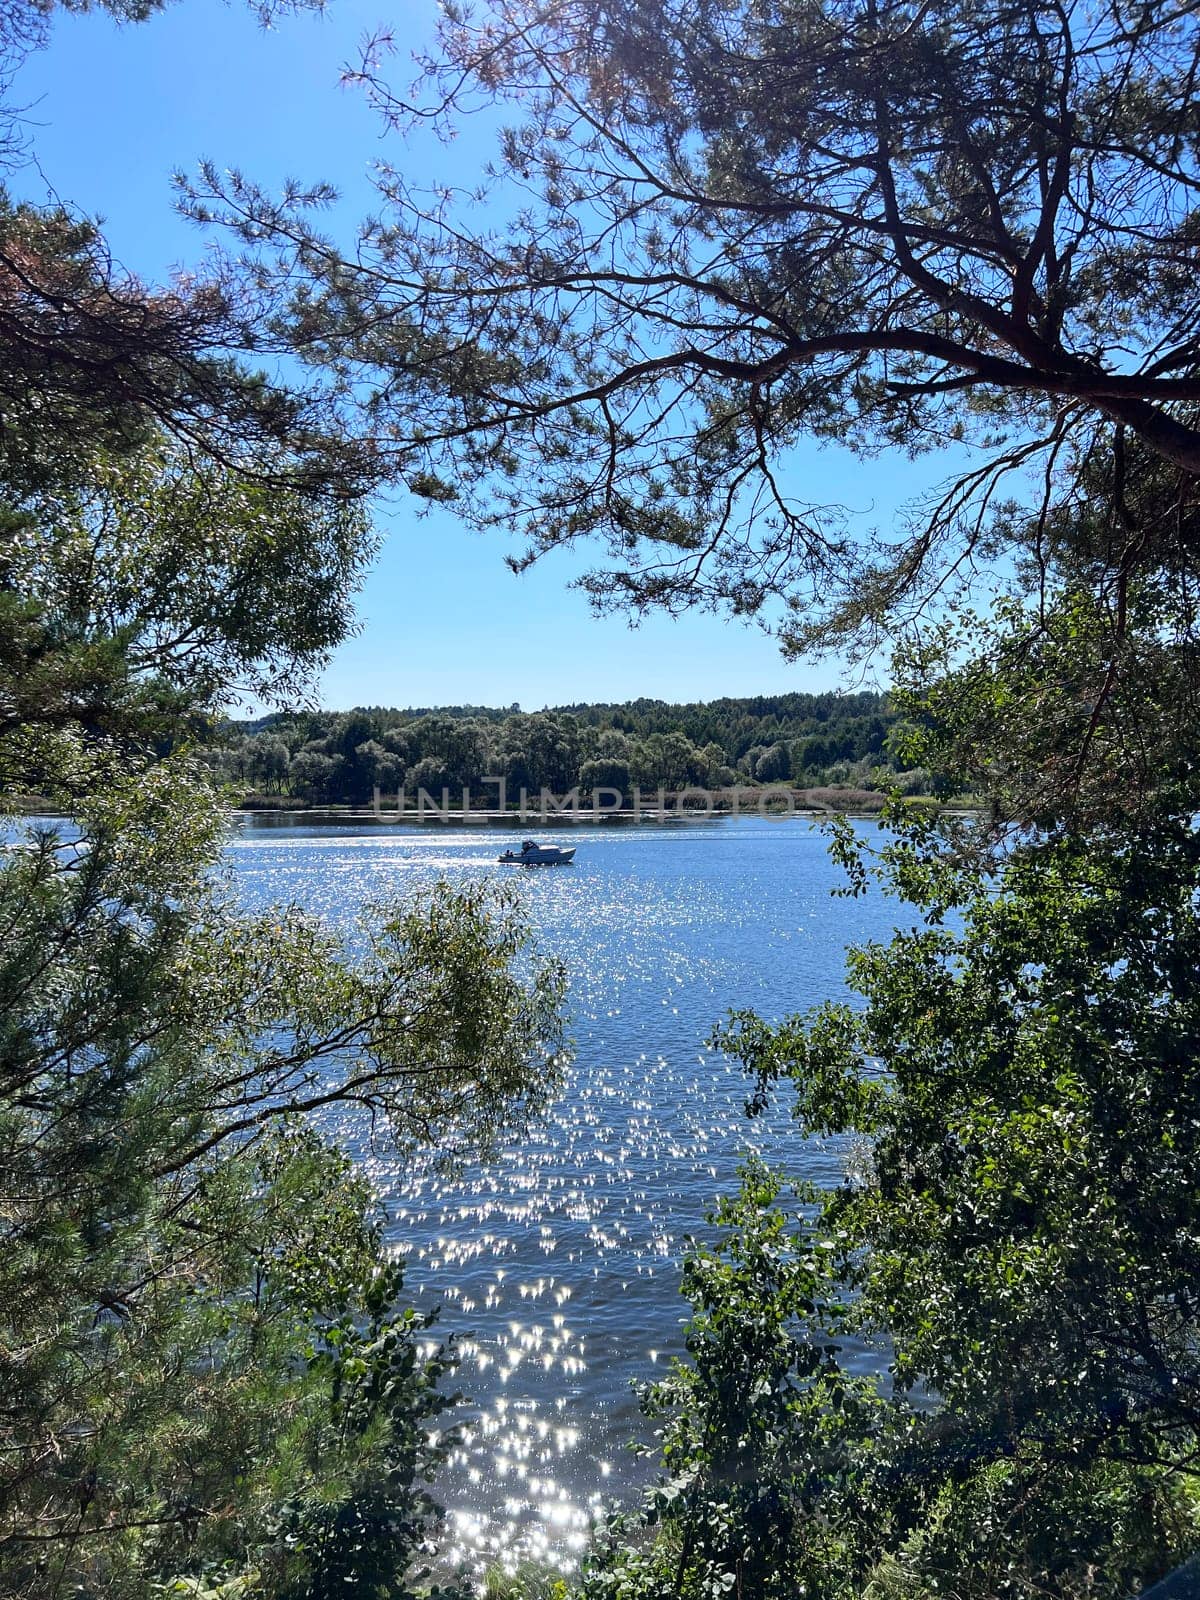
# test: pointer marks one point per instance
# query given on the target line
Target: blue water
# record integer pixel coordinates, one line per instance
(558, 1264)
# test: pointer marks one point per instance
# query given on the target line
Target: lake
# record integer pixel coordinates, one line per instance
(558, 1264)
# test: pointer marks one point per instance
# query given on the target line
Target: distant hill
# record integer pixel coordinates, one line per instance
(814, 740)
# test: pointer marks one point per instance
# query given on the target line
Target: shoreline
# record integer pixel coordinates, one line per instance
(585, 817)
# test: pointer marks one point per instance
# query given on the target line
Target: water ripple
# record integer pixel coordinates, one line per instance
(557, 1266)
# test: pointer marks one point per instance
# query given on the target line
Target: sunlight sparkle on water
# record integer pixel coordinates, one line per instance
(557, 1267)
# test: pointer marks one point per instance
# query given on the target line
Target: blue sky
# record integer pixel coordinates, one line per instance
(114, 110)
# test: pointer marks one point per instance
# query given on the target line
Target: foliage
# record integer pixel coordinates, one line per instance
(152, 587)
(716, 230)
(186, 1416)
(168, 1256)
(1021, 1233)
(205, 1377)
(1017, 1232)
(756, 1423)
(208, 1382)
(528, 1581)
(1073, 702)
(810, 738)
(92, 356)
(361, 1539)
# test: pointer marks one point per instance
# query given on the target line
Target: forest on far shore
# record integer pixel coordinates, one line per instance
(838, 741)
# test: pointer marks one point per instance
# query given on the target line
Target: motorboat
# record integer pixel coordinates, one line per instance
(532, 854)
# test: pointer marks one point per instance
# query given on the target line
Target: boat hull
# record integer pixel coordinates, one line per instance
(552, 857)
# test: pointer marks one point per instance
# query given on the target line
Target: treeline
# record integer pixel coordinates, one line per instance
(340, 758)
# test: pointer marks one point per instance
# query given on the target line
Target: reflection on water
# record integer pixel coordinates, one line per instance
(558, 1265)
